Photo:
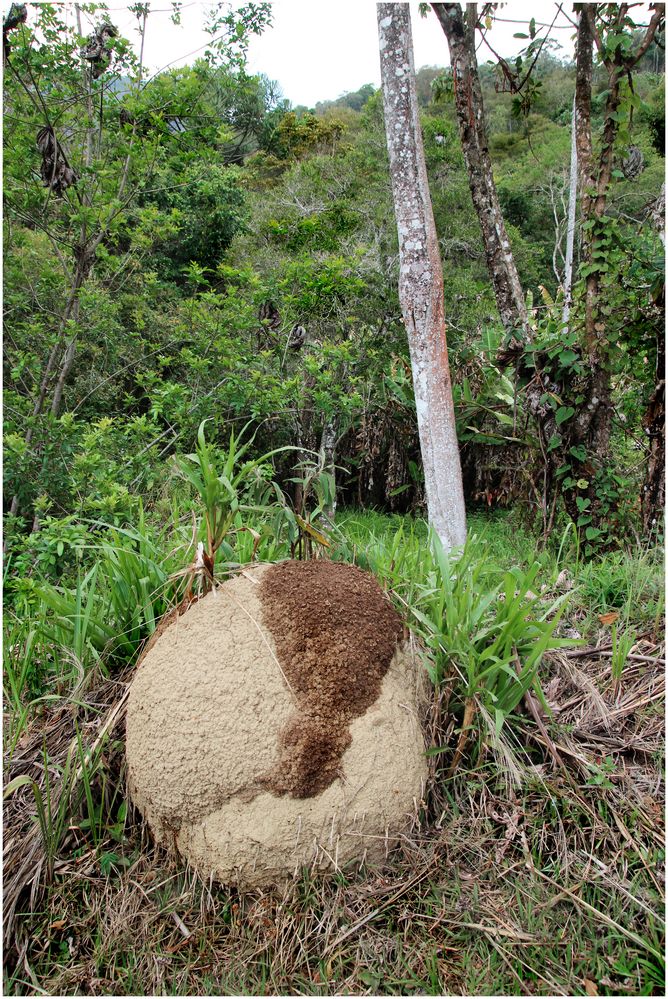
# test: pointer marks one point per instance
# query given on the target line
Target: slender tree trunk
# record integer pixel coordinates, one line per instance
(653, 496)
(593, 422)
(86, 80)
(597, 206)
(420, 278)
(584, 64)
(85, 257)
(298, 466)
(591, 425)
(570, 229)
(50, 363)
(460, 32)
(328, 453)
(84, 254)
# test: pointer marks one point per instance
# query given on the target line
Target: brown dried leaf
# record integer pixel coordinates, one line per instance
(591, 988)
(310, 529)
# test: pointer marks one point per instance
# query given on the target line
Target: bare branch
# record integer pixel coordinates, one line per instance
(654, 25)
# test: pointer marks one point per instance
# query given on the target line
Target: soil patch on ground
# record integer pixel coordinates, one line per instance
(335, 633)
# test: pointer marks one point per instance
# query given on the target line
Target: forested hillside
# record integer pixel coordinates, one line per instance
(204, 345)
(211, 219)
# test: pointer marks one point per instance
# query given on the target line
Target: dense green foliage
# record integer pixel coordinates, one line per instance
(218, 219)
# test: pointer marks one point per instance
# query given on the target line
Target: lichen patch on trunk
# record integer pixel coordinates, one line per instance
(335, 634)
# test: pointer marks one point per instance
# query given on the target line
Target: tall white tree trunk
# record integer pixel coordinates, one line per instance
(420, 278)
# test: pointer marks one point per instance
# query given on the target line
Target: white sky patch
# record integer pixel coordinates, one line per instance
(317, 50)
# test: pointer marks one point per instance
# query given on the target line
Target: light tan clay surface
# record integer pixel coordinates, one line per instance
(205, 713)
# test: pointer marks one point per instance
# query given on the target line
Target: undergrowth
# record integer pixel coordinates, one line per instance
(535, 865)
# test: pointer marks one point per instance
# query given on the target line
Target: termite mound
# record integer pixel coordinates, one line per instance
(275, 725)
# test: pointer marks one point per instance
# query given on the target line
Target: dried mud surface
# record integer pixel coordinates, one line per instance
(208, 712)
(335, 633)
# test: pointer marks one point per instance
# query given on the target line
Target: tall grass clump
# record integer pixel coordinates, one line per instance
(484, 628)
(231, 491)
(115, 605)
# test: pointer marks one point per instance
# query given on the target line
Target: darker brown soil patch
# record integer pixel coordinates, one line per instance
(335, 633)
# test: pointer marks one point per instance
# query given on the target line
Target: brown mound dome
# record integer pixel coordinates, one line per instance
(217, 715)
(335, 634)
